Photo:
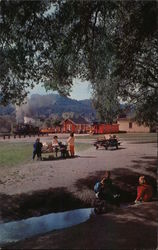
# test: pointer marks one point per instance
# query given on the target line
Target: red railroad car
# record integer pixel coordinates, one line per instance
(102, 128)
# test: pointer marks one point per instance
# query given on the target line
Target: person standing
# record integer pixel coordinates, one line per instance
(55, 144)
(71, 144)
(37, 149)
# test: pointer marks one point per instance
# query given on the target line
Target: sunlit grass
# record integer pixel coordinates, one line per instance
(12, 154)
(138, 137)
(82, 146)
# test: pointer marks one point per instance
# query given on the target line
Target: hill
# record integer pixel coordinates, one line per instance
(7, 110)
(53, 104)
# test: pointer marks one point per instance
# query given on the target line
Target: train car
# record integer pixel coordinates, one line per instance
(101, 128)
(47, 130)
(51, 130)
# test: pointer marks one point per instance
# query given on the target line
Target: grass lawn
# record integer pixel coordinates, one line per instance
(133, 137)
(13, 154)
(82, 146)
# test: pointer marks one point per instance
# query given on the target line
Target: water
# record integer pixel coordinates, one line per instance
(19, 230)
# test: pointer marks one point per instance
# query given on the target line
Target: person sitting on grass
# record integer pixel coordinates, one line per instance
(107, 190)
(37, 149)
(144, 191)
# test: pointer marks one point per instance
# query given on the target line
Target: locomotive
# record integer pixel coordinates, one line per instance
(26, 129)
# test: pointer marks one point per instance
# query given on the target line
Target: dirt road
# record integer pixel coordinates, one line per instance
(39, 175)
(135, 228)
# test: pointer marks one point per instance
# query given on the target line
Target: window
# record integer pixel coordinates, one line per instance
(130, 124)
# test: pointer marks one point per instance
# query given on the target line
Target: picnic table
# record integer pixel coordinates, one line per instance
(107, 143)
(55, 149)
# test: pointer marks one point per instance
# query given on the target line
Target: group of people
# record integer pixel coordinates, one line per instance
(105, 190)
(37, 146)
(111, 137)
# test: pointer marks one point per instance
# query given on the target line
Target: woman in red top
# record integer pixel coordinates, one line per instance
(144, 191)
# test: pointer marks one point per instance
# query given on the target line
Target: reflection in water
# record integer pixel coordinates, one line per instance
(19, 230)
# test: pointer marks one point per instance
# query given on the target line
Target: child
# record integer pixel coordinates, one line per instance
(107, 191)
(37, 148)
(55, 144)
(144, 191)
(55, 141)
(71, 145)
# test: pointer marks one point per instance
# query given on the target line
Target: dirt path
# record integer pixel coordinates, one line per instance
(135, 228)
(41, 175)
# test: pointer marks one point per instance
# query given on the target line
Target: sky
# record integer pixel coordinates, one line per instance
(80, 90)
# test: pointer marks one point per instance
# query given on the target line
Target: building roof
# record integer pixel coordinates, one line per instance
(78, 120)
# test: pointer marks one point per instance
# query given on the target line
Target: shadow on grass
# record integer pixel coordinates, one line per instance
(38, 203)
(110, 148)
(142, 142)
(149, 166)
(87, 156)
(52, 158)
(149, 157)
(119, 148)
(124, 180)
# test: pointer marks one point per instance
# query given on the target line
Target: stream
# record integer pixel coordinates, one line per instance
(19, 230)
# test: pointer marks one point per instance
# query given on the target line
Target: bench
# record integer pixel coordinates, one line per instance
(62, 149)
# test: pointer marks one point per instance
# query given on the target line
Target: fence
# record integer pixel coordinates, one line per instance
(9, 136)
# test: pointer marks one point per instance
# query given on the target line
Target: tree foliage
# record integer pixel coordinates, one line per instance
(105, 100)
(111, 43)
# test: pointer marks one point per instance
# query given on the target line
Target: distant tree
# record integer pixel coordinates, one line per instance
(105, 100)
(47, 123)
(56, 122)
(147, 111)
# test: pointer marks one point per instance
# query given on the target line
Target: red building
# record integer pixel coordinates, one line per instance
(80, 125)
(76, 125)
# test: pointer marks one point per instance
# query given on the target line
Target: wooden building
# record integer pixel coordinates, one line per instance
(128, 125)
(76, 125)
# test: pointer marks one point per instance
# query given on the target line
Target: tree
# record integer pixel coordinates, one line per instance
(57, 122)
(137, 59)
(105, 100)
(20, 23)
(112, 42)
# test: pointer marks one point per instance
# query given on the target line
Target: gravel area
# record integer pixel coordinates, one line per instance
(122, 229)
